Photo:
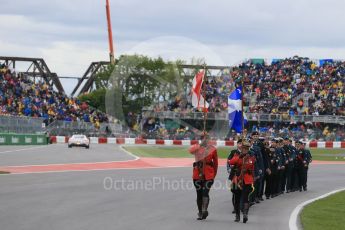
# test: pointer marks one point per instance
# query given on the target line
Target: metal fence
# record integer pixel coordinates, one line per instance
(23, 125)
(29, 125)
(68, 128)
(251, 117)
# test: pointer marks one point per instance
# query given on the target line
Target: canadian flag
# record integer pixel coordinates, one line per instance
(197, 99)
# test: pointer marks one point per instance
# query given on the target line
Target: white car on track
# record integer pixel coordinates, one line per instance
(79, 141)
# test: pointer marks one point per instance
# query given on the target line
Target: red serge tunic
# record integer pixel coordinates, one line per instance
(211, 161)
(247, 164)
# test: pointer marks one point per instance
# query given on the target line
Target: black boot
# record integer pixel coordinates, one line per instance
(205, 202)
(245, 212)
(233, 204)
(199, 203)
(238, 218)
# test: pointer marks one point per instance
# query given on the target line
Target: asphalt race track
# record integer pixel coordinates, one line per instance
(59, 154)
(90, 199)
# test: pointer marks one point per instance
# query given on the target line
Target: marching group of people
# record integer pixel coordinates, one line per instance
(258, 168)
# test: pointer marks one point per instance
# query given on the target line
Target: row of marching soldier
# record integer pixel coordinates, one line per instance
(258, 168)
(279, 167)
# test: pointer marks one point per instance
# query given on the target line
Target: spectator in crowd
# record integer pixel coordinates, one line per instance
(293, 86)
(21, 96)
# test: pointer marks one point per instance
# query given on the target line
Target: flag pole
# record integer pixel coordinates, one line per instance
(242, 97)
(204, 95)
(204, 132)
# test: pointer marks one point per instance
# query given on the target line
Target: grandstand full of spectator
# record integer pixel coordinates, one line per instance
(276, 86)
(21, 96)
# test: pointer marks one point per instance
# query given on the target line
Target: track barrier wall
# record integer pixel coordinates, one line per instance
(23, 139)
(140, 141)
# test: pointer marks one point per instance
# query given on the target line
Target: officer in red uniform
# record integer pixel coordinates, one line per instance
(233, 171)
(245, 180)
(205, 170)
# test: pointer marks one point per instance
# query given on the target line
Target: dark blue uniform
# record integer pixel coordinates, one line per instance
(259, 170)
(271, 178)
(291, 155)
(308, 160)
(264, 152)
(281, 169)
(301, 166)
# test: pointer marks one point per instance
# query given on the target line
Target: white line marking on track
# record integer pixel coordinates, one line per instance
(129, 153)
(83, 163)
(19, 150)
(293, 221)
(89, 170)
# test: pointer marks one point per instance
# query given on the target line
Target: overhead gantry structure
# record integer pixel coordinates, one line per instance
(89, 76)
(97, 67)
(36, 68)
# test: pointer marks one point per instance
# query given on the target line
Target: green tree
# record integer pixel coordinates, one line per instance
(102, 78)
(137, 81)
(143, 81)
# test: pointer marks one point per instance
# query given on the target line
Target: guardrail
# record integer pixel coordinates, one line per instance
(250, 116)
(160, 142)
(14, 124)
(67, 128)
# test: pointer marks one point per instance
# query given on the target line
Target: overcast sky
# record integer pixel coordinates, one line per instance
(70, 34)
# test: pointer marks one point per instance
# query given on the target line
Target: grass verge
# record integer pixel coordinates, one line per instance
(327, 213)
(223, 152)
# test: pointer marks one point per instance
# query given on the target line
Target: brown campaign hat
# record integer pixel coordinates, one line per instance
(245, 143)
